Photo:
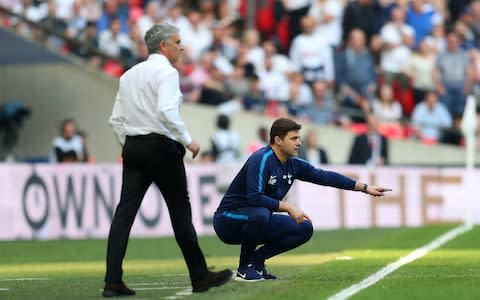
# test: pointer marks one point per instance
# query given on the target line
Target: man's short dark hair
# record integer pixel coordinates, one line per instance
(64, 123)
(223, 122)
(281, 127)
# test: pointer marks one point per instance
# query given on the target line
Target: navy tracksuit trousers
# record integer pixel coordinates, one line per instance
(254, 226)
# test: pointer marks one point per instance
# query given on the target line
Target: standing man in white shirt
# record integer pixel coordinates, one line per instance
(146, 121)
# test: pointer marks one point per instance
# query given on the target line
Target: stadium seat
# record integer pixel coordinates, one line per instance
(357, 128)
(135, 13)
(392, 130)
(283, 32)
(135, 3)
(429, 141)
(65, 49)
(272, 108)
(265, 19)
(113, 68)
(408, 131)
(6, 22)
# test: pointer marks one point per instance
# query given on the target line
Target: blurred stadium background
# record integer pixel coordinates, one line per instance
(248, 60)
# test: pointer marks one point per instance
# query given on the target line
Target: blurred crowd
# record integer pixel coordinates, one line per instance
(409, 63)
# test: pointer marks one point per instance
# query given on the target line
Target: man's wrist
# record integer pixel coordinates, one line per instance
(364, 188)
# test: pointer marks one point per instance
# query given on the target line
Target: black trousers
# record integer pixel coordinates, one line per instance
(146, 159)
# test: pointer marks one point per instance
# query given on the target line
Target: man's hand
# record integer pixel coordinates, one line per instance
(374, 190)
(194, 147)
(297, 214)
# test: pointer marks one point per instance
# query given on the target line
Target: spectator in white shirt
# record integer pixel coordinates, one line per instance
(197, 37)
(328, 16)
(225, 142)
(312, 54)
(300, 94)
(420, 68)
(91, 10)
(397, 37)
(68, 147)
(176, 18)
(280, 62)
(77, 23)
(251, 39)
(273, 83)
(223, 42)
(32, 13)
(149, 19)
(64, 9)
(386, 108)
(113, 41)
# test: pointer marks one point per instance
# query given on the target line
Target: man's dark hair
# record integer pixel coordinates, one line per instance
(281, 127)
(223, 122)
(64, 123)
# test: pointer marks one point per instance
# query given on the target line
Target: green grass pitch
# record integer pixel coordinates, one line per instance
(330, 262)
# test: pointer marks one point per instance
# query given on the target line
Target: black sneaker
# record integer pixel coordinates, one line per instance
(117, 290)
(212, 279)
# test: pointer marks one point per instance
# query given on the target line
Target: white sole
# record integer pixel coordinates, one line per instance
(237, 278)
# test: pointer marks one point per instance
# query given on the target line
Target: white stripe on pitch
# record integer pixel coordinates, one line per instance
(3, 289)
(417, 253)
(180, 294)
(160, 288)
(22, 279)
(158, 283)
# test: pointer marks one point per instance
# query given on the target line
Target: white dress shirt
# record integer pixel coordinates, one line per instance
(148, 101)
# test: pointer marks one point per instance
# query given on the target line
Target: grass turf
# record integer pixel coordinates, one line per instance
(155, 268)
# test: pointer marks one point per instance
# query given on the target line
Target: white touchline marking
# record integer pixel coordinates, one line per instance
(22, 279)
(185, 292)
(160, 288)
(157, 283)
(417, 253)
(343, 258)
(169, 275)
(3, 289)
(180, 294)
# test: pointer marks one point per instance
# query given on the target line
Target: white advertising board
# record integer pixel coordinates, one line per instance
(78, 201)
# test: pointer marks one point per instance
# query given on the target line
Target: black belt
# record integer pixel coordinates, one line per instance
(155, 136)
(150, 135)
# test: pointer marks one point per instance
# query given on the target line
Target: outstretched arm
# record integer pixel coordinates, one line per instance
(309, 173)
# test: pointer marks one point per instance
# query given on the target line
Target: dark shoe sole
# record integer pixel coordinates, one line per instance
(110, 294)
(204, 289)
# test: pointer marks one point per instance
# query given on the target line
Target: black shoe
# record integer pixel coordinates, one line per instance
(117, 290)
(212, 279)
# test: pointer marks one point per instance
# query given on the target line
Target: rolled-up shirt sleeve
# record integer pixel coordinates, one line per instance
(169, 100)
